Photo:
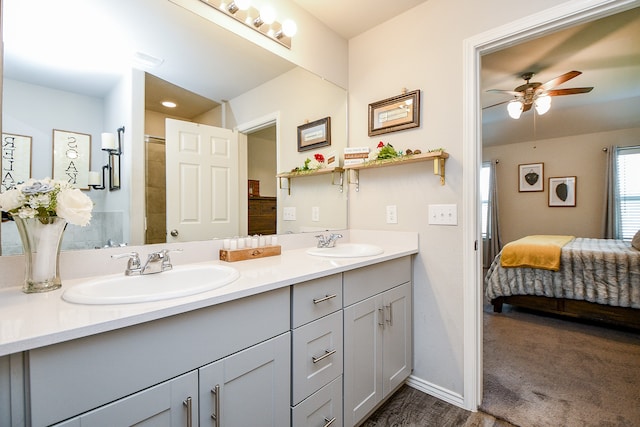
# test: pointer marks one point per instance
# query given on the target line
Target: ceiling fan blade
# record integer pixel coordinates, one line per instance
(526, 107)
(559, 80)
(508, 92)
(499, 103)
(569, 91)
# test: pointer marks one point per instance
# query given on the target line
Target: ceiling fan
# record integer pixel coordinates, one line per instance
(537, 94)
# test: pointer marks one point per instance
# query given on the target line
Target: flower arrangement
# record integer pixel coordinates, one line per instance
(310, 165)
(47, 198)
(386, 151)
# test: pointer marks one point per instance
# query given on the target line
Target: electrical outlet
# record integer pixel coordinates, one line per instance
(315, 213)
(443, 214)
(392, 214)
(289, 214)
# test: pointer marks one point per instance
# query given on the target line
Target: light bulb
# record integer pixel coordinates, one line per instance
(515, 109)
(268, 14)
(543, 103)
(289, 28)
(242, 4)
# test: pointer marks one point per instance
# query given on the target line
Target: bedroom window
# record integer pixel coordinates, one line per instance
(484, 194)
(628, 177)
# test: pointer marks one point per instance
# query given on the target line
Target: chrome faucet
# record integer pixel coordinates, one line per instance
(327, 241)
(157, 262)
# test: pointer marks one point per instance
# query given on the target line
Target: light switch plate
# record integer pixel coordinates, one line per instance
(443, 214)
(289, 214)
(315, 213)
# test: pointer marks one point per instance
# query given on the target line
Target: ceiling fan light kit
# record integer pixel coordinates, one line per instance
(537, 94)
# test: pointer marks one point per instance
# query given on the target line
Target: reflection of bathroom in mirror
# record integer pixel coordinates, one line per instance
(37, 100)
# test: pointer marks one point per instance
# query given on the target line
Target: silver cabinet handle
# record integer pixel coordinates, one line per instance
(324, 298)
(390, 318)
(381, 317)
(216, 392)
(328, 421)
(187, 403)
(326, 354)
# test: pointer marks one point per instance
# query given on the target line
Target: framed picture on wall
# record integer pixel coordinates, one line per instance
(72, 157)
(16, 160)
(562, 191)
(531, 177)
(394, 114)
(314, 135)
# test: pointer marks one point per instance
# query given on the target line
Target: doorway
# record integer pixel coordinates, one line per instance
(525, 29)
(262, 184)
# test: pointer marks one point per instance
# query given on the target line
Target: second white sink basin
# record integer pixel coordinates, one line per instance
(347, 250)
(175, 283)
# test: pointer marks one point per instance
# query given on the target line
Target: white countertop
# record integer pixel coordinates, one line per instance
(29, 321)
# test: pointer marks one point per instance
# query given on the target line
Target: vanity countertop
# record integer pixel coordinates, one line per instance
(30, 321)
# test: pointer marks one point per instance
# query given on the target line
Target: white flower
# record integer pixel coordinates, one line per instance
(27, 212)
(74, 206)
(11, 199)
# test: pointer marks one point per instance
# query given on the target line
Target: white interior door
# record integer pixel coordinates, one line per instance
(202, 181)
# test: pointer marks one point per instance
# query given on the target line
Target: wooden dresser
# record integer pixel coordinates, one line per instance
(262, 215)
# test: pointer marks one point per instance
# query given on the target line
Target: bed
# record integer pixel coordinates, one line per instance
(595, 279)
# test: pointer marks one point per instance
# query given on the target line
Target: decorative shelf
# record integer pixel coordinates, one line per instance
(289, 176)
(438, 158)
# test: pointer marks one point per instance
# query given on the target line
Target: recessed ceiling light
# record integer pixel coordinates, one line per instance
(169, 104)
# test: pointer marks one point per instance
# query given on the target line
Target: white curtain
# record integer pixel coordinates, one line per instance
(611, 217)
(493, 243)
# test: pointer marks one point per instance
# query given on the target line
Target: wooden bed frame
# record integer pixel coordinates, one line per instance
(618, 316)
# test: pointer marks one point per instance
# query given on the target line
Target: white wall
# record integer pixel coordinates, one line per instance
(422, 49)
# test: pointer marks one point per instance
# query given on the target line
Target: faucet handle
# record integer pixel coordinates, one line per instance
(166, 260)
(134, 261)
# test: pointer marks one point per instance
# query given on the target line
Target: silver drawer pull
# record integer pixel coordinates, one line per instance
(390, 318)
(188, 404)
(326, 354)
(324, 298)
(328, 422)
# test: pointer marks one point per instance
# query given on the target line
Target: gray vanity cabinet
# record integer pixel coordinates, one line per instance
(71, 378)
(248, 388)
(377, 335)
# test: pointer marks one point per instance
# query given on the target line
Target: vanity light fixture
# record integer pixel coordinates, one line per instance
(114, 148)
(262, 20)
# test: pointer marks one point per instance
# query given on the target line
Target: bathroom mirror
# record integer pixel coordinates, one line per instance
(247, 83)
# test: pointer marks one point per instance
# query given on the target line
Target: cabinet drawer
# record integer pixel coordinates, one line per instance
(317, 355)
(316, 298)
(321, 407)
(365, 282)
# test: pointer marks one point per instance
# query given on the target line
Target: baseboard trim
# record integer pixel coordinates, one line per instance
(436, 391)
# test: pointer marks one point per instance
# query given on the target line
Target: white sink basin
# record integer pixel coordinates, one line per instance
(175, 283)
(347, 250)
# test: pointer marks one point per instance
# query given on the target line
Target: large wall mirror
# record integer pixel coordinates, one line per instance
(93, 66)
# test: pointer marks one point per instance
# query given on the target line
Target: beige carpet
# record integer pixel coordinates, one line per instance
(541, 371)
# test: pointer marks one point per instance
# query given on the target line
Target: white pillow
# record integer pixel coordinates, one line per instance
(635, 242)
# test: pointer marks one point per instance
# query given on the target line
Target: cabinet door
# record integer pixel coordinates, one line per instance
(397, 350)
(249, 388)
(363, 323)
(166, 404)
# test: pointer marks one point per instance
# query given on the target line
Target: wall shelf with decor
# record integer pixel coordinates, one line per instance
(337, 175)
(438, 158)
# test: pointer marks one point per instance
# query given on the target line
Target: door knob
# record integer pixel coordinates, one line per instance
(174, 233)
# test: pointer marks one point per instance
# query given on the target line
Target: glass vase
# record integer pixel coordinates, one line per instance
(41, 238)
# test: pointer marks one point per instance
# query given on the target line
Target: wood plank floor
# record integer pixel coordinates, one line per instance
(409, 407)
